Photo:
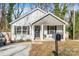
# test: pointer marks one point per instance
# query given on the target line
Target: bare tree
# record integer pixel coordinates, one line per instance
(18, 10)
(6, 14)
(45, 6)
(2, 22)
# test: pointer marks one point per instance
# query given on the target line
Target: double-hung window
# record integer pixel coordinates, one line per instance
(17, 29)
(21, 29)
(26, 30)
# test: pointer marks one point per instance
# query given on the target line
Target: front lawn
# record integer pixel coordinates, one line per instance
(47, 48)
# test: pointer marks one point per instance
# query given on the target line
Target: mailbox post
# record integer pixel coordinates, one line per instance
(58, 37)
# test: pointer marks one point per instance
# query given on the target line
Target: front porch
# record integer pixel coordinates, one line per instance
(47, 32)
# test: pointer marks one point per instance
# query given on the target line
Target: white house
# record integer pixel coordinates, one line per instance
(38, 25)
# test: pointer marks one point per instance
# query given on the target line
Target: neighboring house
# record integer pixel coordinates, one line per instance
(38, 25)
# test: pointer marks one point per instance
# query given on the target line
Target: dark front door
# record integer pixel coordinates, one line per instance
(37, 31)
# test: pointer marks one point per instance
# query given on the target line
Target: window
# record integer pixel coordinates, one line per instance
(25, 29)
(51, 29)
(17, 29)
(20, 29)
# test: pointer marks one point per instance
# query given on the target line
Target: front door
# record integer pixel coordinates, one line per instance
(37, 31)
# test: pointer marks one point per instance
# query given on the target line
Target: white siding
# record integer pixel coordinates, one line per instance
(49, 20)
(21, 22)
(12, 32)
(29, 18)
(35, 16)
(24, 22)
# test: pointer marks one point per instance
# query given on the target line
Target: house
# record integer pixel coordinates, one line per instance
(38, 25)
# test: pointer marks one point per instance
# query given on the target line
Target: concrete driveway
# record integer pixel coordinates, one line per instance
(16, 49)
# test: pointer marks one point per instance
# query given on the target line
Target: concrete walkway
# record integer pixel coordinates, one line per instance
(16, 49)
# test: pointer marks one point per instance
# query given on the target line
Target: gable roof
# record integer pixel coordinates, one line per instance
(45, 14)
(49, 13)
(28, 14)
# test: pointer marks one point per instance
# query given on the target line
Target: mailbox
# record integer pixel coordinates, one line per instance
(58, 37)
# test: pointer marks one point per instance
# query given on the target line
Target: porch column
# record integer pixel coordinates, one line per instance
(21, 37)
(41, 32)
(32, 33)
(63, 32)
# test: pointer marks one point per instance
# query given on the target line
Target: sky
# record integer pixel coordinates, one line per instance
(27, 7)
(29, 4)
(67, 15)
